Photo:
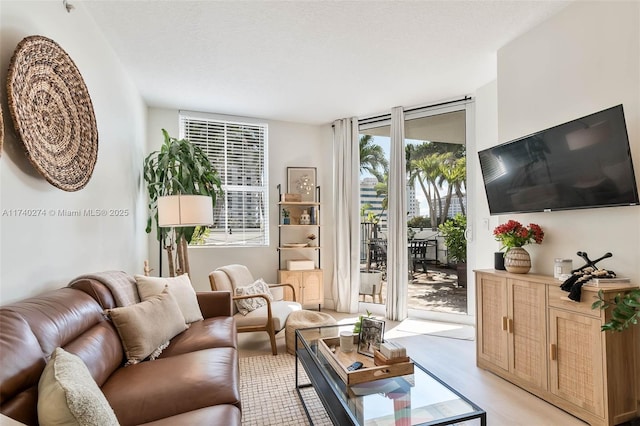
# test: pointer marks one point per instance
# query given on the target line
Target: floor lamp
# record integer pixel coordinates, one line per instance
(176, 211)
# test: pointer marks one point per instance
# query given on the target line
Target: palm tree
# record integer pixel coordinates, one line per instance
(427, 171)
(382, 189)
(372, 158)
(432, 164)
(453, 172)
(459, 180)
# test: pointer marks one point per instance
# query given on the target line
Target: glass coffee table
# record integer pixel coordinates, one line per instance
(416, 399)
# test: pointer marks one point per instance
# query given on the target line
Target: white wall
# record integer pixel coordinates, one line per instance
(41, 253)
(580, 61)
(486, 136)
(481, 247)
(290, 144)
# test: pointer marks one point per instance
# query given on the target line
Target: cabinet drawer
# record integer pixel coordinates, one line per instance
(558, 298)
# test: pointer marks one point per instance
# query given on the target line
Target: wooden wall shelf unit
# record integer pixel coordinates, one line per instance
(531, 334)
(308, 283)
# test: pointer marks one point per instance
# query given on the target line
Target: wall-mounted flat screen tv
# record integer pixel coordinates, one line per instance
(584, 163)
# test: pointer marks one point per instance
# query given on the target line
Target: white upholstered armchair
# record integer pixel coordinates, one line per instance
(270, 316)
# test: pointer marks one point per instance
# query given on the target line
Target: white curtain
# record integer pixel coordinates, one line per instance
(397, 270)
(346, 204)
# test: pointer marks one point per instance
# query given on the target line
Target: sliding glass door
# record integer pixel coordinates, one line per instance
(435, 146)
(374, 175)
(436, 209)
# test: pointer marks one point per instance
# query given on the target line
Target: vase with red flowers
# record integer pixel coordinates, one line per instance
(513, 235)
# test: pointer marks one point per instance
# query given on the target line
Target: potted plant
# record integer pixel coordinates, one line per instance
(286, 220)
(358, 324)
(626, 310)
(513, 235)
(453, 232)
(179, 167)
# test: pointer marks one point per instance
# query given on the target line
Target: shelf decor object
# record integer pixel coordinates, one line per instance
(302, 180)
(294, 245)
(52, 113)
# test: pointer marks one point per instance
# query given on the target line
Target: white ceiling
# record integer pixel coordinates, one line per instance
(311, 61)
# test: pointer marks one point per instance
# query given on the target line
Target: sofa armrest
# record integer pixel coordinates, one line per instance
(215, 303)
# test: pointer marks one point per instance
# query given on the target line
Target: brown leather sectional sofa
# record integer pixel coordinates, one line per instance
(195, 381)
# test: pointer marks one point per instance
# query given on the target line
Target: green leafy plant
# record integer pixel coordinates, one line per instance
(179, 167)
(285, 213)
(358, 325)
(626, 310)
(453, 231)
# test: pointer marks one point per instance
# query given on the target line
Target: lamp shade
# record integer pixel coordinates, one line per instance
(185, 210)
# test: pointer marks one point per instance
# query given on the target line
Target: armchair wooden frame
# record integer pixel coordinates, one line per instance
(268, 325)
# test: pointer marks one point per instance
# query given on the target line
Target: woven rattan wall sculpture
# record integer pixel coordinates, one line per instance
(52, 113)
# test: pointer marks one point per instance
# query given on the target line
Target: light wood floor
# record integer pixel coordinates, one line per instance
(453, 361)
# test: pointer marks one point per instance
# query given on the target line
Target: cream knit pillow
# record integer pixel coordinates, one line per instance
(180, 287)
(251, 304)
(68, 395)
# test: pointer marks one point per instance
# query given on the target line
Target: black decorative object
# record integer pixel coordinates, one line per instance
(498, 261)
(580, 276)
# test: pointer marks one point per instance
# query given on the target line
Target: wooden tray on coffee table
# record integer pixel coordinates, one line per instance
(330, 348)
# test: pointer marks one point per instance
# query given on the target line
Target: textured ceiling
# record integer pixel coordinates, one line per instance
(310, 61)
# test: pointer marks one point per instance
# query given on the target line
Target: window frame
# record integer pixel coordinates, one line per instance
(230, 188)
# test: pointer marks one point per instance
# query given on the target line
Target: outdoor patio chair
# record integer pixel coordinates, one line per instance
(378, 254)
(419, 253)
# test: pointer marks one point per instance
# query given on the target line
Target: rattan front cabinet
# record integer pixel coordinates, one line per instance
(530, 334)
(592, 373)
(307, 283)
(512, 333)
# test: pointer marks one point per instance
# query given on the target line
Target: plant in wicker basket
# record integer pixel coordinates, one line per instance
(178, 168)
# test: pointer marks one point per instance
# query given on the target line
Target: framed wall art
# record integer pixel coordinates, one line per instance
(371, 335)
(302, 180)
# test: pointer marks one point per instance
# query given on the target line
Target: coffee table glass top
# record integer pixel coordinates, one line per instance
(415, 399)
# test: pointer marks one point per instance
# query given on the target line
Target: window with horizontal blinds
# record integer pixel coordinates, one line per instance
(238, 151)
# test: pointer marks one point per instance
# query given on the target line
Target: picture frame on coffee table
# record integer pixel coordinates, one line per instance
(371, 336)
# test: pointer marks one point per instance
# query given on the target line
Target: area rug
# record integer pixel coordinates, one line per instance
(432, 328)
(268, 392)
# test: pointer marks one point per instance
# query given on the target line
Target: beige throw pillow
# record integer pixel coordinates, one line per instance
(180, 287)
(147, 327)
(251, 304)
(68, 395)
